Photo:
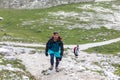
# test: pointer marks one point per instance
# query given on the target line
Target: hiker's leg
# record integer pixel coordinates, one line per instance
(76, 54)
(57, 62)
(52, 59)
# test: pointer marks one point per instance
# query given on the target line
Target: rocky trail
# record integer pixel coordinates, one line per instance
(86, 67)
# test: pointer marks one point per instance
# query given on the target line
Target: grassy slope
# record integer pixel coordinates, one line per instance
(113, 48)
(40, 32)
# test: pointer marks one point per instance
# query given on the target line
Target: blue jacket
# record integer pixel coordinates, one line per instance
(55, 47)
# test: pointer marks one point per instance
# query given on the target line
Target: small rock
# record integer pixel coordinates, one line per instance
(45, 72)
(66, 73)
(25, 77)
(22, 51)
(10, 58)
(1, 18)
(9, 65)
(32, 52)
(73, 74)
(2, 30)
(51, 27)
(104, 39)
(1, 61)
(39, 31)
(94, 40)
(118, 54)
(99, 55)
(82, 61)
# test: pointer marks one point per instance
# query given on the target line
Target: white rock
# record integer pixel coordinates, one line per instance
(94, 39)
(4, 51)
(9, 65)
(118, 54)
(1, 18)
(3, 30)
(11, 58)
(99, 55)
(25, 77)
(32, 52)
(81, 69)
(51, 27)
(1, 61)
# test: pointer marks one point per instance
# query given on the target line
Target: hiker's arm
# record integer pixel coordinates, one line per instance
(46, 49)
(62, 49)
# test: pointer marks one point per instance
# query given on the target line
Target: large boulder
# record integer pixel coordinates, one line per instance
(5, 51)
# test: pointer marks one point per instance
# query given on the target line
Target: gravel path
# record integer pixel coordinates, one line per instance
(82, 46)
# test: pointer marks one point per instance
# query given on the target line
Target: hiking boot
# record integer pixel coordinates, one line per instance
(51, 68)
(57, 70)
(76, 56)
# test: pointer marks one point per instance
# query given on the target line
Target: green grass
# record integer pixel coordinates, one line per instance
(1, 56)
(11, 75)
(100, 72)
(113, 48)
(117, 66)
(15, 64)
(38, 31)
(96, 63)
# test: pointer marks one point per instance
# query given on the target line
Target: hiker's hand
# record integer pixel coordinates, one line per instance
(46, 54)
(60, 58)
(61, 54)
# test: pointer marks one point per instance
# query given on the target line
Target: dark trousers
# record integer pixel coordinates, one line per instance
(52, 60)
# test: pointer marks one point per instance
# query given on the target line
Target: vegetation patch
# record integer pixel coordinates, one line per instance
(37, 25)
(6, 74)
(113, 48)
(117, 66)
(11, 75)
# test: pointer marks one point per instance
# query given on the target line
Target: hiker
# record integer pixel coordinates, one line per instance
(54, 48)
(76, 50)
